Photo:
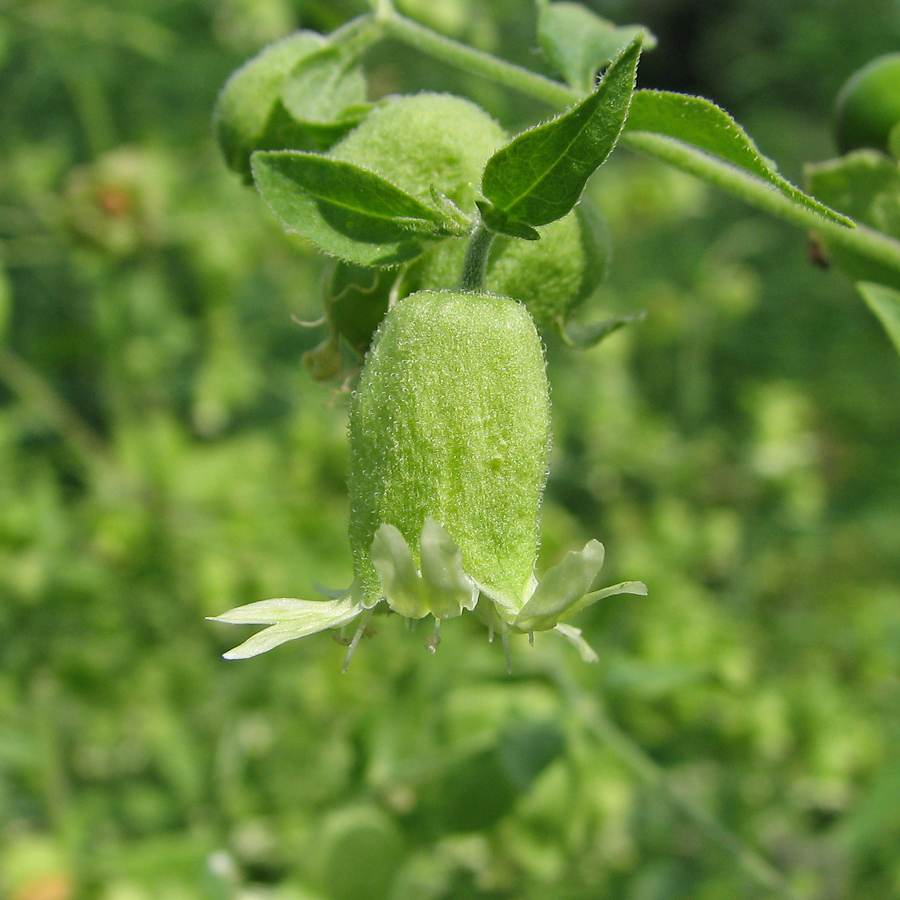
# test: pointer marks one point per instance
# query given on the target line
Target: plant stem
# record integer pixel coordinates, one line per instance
(474, 272)
(477, 61)
(753, 863)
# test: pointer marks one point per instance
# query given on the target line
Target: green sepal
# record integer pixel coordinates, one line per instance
(288, 619)
(885, 303)
(540, 175)
(343, 209)
(579, 43)
(702, 125)
(560, 588)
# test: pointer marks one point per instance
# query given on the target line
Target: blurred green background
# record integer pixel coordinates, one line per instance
(164, 456)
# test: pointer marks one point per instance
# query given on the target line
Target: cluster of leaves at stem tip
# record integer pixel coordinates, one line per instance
(386, 190)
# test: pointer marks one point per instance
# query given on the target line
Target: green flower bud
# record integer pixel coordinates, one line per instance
(451, 422)
(420, 141)
(250, 102)
(449, 439)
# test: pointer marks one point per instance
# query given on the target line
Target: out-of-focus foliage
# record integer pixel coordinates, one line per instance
(164, 455)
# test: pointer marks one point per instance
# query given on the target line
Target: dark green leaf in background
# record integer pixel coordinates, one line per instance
(343, 209)
(704, 126)
(583, 337)
(579, 43)
(885, 303)
(539, 176)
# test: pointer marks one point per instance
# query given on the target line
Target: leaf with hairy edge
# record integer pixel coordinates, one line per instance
(539, 176)
(885, 303)
(343, 209)
(579, 43)
(704, 126)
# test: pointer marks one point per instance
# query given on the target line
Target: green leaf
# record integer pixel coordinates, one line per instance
(579, 43)
(885, 303)
(704, 126)
(560, 588)
(583, 337)
(323, 97)
(323, 85)
(288, 619)
(539, 176)
(343, 209)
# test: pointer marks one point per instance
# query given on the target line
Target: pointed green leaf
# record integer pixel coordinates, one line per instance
(400, 582)
(885, 303)
(539, 176)
(579, 43)
(292, 619)
(560, 588)
(704, 126)
(343, 209)
(448, 587)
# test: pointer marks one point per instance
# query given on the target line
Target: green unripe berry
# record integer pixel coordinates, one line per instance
(868, 105)
(420, 140)
(451, 420)
(250, 99)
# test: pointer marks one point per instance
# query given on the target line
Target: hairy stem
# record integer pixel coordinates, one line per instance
(474, 271)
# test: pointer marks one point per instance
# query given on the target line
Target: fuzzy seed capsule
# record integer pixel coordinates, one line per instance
(451, 422)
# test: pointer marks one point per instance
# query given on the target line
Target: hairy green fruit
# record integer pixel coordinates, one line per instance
(250, 104)
(451, 421)
(868, 105)
(422, 140)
